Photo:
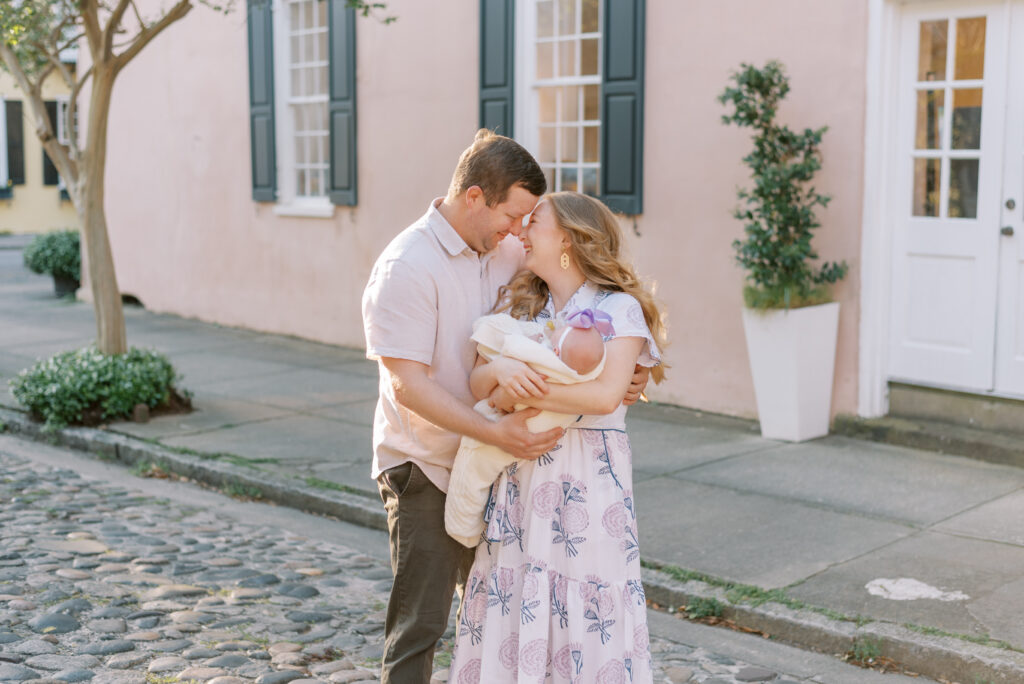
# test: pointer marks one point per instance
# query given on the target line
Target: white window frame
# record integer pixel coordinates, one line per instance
(289, 203)
(527, 100)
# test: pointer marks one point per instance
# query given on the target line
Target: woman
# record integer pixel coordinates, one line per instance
(555, 592)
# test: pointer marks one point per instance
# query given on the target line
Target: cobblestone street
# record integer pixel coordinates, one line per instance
(101, 580)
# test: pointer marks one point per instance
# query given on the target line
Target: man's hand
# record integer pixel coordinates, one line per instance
(511, 435)
(641, 376)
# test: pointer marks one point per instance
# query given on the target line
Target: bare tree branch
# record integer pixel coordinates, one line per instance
(113, 26)
(147, 34)
(93, 33)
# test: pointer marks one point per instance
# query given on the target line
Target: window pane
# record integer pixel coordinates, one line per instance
(570, 104)
(300, 120)
(323, 81)
(321, 42)
(970, 48)
(300, 151)
(321, 10)
(963, 188)
(967, 119)
(294, 11)
(308, 14)
(296, 82)
(546, 153)
(930, 106)
(300, 182)
(570, 144)
(931, 59)
(545, 57)
(567, 58)
(568, 177)
(315, 189)
(591, 149)
(566, 17)
(927, 174)
(296, 49)
(588, 57)
(591, 104)
(590, 181)
(546, 97)
(545, 19)
(549, 175)
(589, 18)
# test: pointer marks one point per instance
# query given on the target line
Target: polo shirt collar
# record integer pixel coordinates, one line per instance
(446, 235)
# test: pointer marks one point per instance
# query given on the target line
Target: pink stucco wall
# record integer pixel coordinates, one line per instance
(188, 239)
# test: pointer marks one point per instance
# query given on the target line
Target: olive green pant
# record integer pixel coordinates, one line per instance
(428, 566)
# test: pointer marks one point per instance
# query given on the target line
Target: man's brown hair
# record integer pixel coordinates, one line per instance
(495, 164)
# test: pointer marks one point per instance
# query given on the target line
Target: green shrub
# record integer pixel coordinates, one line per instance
(58, 254)
(778, 212)
(86, 387)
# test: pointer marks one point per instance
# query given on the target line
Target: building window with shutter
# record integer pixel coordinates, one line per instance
(560, 90)
(566, 79)
(301, 72)
(302, 114)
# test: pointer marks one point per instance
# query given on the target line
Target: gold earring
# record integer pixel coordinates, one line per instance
(564, 260)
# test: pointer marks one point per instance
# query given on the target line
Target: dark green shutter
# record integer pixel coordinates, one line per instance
(341, 28)
(261, 100)
(497, 45)
(50, 175)
(15, 143)
(622, 106)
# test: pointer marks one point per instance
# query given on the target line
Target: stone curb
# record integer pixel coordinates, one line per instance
(933, 656)
(939, 657)
(983, 445)
(111, 446)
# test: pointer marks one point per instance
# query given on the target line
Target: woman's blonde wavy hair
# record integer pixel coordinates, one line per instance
(595, 239)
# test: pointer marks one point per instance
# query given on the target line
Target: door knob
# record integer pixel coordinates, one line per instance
(1010, 204)
(1006, 230)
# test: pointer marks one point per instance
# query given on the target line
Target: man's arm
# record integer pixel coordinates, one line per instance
(417, 391)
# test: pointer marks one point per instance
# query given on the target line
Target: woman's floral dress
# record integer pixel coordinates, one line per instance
(555, 594)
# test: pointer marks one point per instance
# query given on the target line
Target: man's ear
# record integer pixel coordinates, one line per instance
(474, 196)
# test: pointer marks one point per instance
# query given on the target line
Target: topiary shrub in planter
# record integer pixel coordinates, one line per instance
(85, 387)
(790, 322)
(778, 212)
(58, 254)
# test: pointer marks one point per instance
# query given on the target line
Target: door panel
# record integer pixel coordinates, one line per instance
(944, 207)
(1009, 376)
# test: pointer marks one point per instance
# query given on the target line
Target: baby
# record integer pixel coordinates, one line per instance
(579, 348)
(568, 351)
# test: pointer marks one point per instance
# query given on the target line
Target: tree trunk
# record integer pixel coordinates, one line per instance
(110, 331)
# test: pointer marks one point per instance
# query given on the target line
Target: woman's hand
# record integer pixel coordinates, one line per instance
(502, 400)
(517, 379)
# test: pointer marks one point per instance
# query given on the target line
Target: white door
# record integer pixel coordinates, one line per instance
(945, 205)
(1009, 376)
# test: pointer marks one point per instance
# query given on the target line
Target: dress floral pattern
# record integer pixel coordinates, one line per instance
(555, 593)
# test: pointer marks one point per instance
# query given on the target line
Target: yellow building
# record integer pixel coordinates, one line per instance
(31, 196)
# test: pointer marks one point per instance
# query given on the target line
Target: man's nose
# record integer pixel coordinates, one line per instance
(516, 227)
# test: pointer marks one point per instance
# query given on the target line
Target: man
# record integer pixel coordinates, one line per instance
(426, 289)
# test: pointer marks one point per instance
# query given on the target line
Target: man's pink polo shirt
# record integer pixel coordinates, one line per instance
(425, 291)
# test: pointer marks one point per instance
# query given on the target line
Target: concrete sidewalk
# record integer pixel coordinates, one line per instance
(831, 525)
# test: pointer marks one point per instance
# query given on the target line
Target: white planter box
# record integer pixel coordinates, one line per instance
(793, 358)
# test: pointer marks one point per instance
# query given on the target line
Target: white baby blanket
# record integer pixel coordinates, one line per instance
(477, 465)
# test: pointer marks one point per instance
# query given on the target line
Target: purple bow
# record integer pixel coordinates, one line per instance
(591, 318)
